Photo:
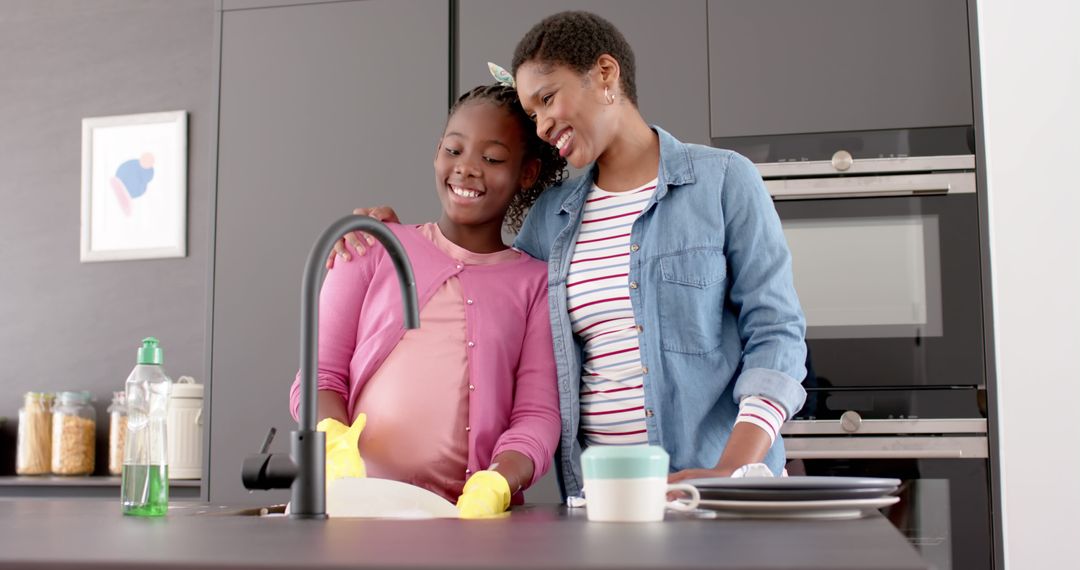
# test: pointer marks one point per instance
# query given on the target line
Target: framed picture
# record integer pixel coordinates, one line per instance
(134, 187)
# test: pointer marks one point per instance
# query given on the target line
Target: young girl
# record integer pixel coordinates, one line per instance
(466, 405)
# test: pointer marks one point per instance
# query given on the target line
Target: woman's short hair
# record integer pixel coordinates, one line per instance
(577, 39)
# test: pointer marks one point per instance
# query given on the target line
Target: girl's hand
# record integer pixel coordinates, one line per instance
(486, 494)
(381, 213)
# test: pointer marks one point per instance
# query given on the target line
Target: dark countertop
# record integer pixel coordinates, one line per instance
(40, 533)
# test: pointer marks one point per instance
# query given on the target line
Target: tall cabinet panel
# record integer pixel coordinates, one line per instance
(323, 108)
(792, 66)
(669, 41)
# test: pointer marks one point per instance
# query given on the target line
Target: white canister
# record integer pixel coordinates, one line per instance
(185, 424)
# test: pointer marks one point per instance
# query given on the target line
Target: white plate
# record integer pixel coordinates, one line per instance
(837, 509)
(746, 494)
(797, 482)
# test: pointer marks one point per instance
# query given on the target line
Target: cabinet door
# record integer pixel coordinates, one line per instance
(323, 108)
(669, 40)
(800, 66)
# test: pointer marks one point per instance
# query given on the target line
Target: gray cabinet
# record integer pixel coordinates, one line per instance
(323, 108)
(668, 38)
(799, 66)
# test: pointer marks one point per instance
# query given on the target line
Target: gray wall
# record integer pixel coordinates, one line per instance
(64, 324)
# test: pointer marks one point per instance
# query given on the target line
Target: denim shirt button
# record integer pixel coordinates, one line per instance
(634, 247)
(640, 328)
(648, 412)
(644, 369)
(633, 284)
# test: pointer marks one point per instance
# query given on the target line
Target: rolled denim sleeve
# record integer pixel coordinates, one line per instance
(526, 238)
(530, 238)
(770, 320)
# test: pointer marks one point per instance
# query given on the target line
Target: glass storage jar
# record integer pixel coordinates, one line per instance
(73, 429)
(35, 434)
(117, 432)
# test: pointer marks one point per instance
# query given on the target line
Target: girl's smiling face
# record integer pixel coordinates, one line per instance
(572, 111)
(480, 165)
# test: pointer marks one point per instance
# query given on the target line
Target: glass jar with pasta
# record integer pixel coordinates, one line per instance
(35, 434)
(73, 431)
(117, 432)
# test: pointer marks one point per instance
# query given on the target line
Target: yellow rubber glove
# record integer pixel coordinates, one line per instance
(486, 494)
(342, 448)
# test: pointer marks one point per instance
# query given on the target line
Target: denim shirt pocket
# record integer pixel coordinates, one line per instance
(691, 300)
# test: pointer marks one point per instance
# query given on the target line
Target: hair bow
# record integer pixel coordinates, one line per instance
(501, 75)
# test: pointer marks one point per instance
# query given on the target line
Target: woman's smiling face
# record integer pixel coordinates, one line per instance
(571, 110)
(478, 165)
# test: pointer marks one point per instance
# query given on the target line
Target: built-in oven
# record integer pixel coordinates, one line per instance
(883, 228)
(944, 507)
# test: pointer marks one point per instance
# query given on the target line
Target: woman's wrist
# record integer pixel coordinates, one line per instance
(748, 443)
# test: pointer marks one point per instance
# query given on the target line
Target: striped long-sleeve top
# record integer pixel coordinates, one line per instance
(598, 299)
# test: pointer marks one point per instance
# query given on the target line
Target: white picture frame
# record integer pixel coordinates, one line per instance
(134, 187)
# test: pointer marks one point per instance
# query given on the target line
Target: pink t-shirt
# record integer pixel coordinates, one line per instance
(418, 408)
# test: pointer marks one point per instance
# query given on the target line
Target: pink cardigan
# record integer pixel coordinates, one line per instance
(515, 405)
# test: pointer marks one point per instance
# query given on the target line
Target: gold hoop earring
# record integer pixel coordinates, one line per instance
(608, 96)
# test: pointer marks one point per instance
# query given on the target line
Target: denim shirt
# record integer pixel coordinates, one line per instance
(715, 301)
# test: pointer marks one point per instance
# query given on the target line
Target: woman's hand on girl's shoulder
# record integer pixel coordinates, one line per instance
(360, 240)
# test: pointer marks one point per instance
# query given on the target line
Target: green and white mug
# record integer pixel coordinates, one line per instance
(629, 484)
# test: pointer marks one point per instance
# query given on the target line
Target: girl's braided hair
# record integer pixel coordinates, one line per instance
(552, 166)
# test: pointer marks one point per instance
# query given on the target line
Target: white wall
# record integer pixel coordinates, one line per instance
(1030, 52)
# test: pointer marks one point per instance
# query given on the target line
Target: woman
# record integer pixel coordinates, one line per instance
(674, 316)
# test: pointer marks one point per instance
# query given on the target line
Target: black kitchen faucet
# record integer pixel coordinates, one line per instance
(304, 469)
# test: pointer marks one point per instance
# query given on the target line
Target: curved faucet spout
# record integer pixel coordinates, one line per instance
(309, 306)
(308, 447)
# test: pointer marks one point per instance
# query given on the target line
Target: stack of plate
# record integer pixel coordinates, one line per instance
(796, 497)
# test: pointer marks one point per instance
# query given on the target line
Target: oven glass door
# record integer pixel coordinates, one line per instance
(944, 504)
(891, 289)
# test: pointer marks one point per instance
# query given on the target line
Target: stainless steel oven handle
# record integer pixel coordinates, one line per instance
(842, 161)
(869, 186)
(855, 447)
(907, 426)
(927, 454)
